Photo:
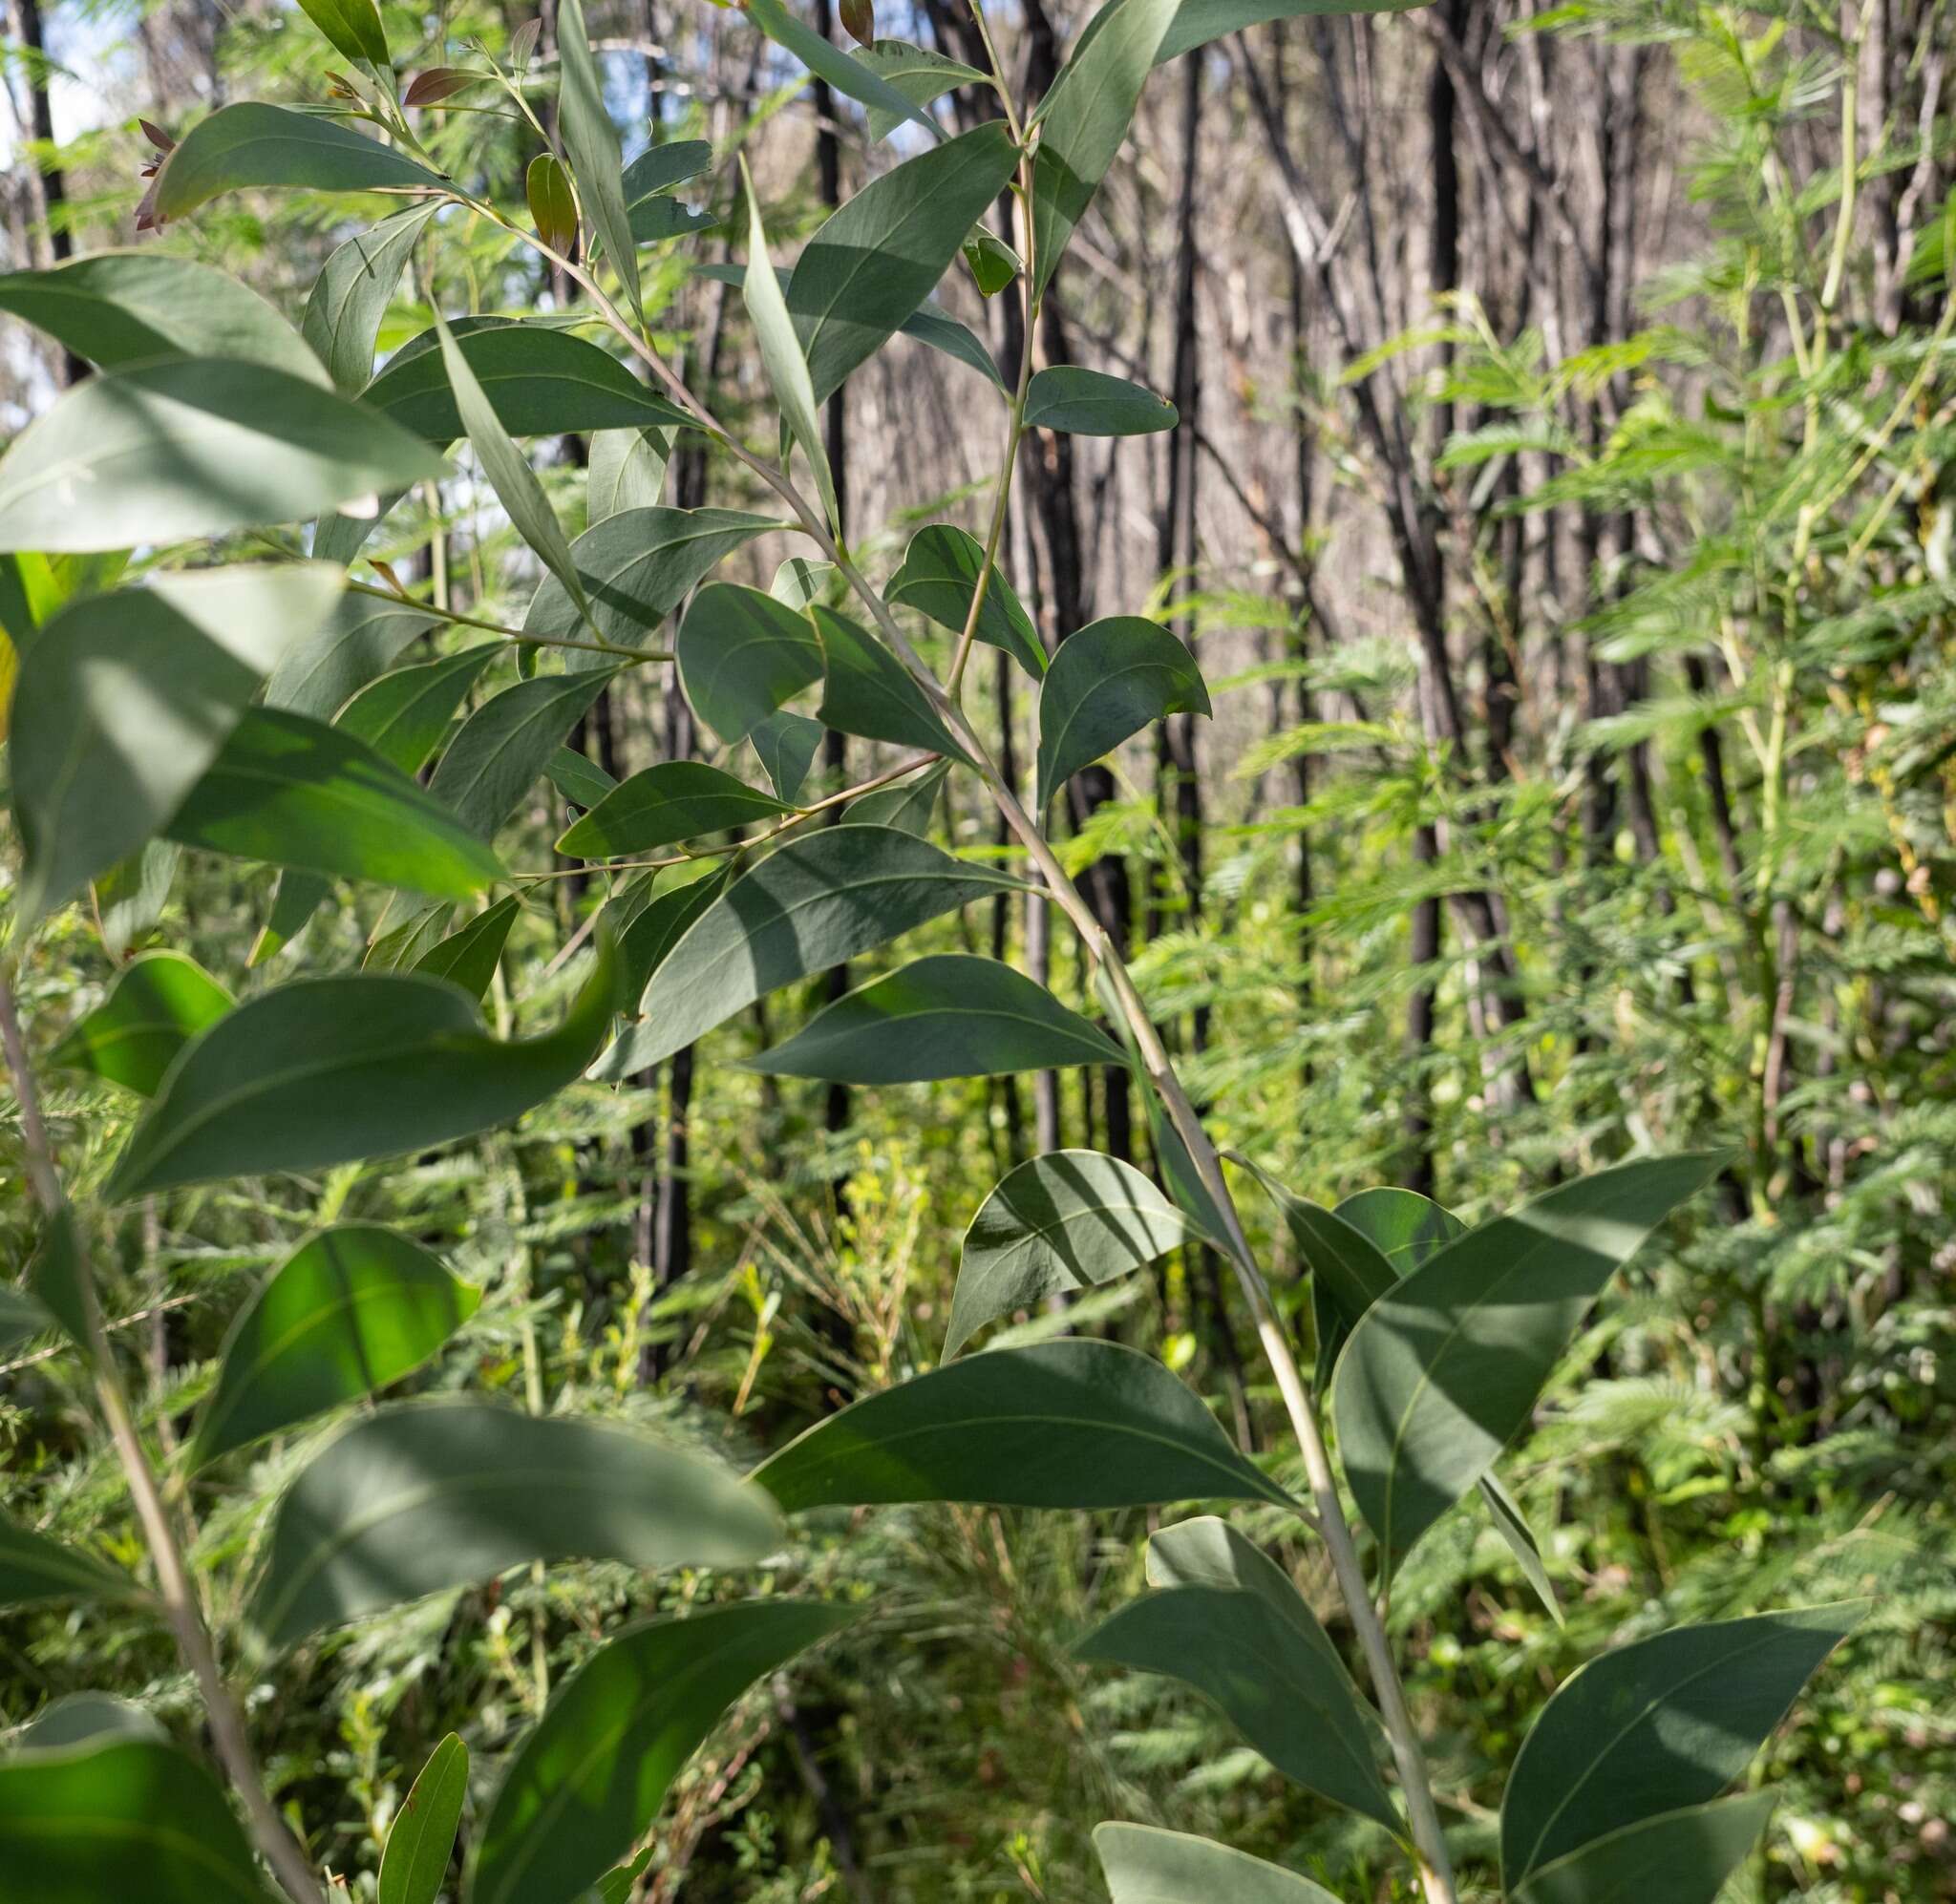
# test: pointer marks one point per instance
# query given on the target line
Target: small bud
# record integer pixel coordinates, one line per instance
(859, 16)
(552, 204)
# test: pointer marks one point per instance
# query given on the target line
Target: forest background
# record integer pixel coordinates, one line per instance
(1570, 792)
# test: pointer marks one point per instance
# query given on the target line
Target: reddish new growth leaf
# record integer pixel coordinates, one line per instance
(860, 18)
(439, 83)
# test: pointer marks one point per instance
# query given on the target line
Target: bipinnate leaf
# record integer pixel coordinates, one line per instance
(420, 1841)
(33, 1567)
(351, 296)
(362, 1065)
(186, 447)
(349, 1311)
(781, 349)
(250, 146)
(1444, 1369)
(1071, 1424)
(676, 800)
(870, 693)
(815, 903)
(1106, 683)
(426, 1495)
(741, 655)
(1655, 1726)
(591, 142)
(938, 578)
(586, 1784)
(468, 957)
(505, 745)
(122, 1818)
(950, 1016)
(1683, 1858)
(1143, 1865)
(157, 1003)
(1070, 1219)
(1090, 403)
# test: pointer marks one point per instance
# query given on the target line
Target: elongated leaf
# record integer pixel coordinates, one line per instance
(591, 142)
(359, 643)
(366, 1065)
(34, 1568)
(296, 792)
(1405, 1227)
(1444, 1369)
(123, 701)
(741, 654)
(1108, 681)
(553, 204)
(882, 253)
(125, 1818)
(1198, 22)
(939, 577)
(157, 1003)
(1512, 1525)
(88, 1718)
(1666, 1723)
(1070, 1219)
(679, 799)
(786, 746)
(507, 742)
(421, 1840)
(657, 221)
(119, 307)
(351, 26)
(539, 381)
(56, 1276)
(350, 298)
(590, 1779)
(194, 446)
(918, 73)
(469, 956)
(427, 1495)
(673, 899)
(347, 1312)
(1089, 403)
(951, 1016)
(1683, 1858)
(1146, 1866)
(131, 895)
(626, 471)
(21, 1316)
(250, 146)
(638, 566)
(812, 903)
(660, 168)
(908, 804)
(869, 691)
(842, 71)
(579, 778)
(780, 351)
(403, 715)
(1062, 1425)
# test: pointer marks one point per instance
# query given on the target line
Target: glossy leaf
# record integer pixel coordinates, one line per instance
(741, 655)
(676, 800)
(357, 644)
(1070, 1219)
(364, 1065)
(194, 446)
(591, 142)
(33, 1567)
(428, 1495)
(505, 744)
(468, 957)
(1444, 1369)
(951, 1016)
(826, 60)
(420, 1842)
(124, 699)
(939, 577)
(156, 1005)
(780, 346)
(351, 296)
(626, 471)
(1089, 403)
(1109, 681)
(786, 746)
(590, 1779)
(870, 693)
(553, 207)
(1684, 1857)
(1146, 1866)
(1661, 1724)
(920, 75)
(250, 146)
(349, 1311)
(815, 903)
(1062, 1425)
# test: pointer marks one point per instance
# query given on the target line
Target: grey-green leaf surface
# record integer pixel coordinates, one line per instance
(950, 1016)
(1060, 1425)
(88, 1718)
(657, 221)
(421, 1839)
(870, 693)
(124, 699)
(1405, 1227)
(1198, 22)
(351, 28)
(1070, 1219)
(189, 447)
(918, 73)
(362, 1065)
(1106, 683)
(877, 257)
(780, 347)
(591, 142)
(122, 1818)
(1143, 1865)
(659, 915)
(427, 1495)
(33, 1568)
(815, 902)
(676, 800)
(118, 308)
(1683, 1858)
(1656, 1726)
(469, 955)
(157, 1003)
(402, 715)
(741, 655)
(349, 1311)
(909, 803)
(505, 744)
(1445, 1369)
(660, 168)
(842, 71)
(626, 471)
(359, 641)
(351, 296)
(939, 577)
(786, 745)
(1512, 1525)
(1090, 403)
(579, 778)
(588, 1782)
(296, 792)
(250, 146)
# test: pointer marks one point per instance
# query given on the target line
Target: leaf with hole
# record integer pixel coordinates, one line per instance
(1107, 682)
(741, 655)
(1143, 1865)
(156, 1005)
(939, 576)
(676, 800)
(1090, 403)
(420, 1842)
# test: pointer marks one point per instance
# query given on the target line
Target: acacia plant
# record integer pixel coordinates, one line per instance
(228, 695)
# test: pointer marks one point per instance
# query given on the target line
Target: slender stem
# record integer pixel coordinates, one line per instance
(455, 616)
(176, 1590)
